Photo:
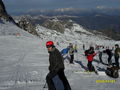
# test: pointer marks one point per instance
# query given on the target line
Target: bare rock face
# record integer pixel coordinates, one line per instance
(26, 24)
(3, 13)
(2, 9)
(57, 25)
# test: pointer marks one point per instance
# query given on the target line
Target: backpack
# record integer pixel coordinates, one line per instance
(64, 51)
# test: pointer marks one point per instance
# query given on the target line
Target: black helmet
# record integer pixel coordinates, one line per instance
(116, 45)
(91, 48)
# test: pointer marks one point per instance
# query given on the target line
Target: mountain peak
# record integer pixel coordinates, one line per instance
(3, 13)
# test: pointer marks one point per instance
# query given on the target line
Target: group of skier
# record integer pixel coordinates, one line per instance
(57, 65)
(111, 52)
(90, 53)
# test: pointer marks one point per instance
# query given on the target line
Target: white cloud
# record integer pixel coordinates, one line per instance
(101, 7)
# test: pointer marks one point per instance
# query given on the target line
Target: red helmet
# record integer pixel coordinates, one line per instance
(49, 43)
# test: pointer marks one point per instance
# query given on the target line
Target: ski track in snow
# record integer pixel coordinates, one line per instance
(29, 69)
(24, 66)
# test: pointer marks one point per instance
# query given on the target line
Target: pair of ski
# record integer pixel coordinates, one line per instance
(87, 72)
(96, 72)
(93, 71)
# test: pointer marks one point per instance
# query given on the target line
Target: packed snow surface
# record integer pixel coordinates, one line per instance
(24, 60)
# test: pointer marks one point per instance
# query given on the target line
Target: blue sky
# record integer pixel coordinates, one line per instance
(25, 5)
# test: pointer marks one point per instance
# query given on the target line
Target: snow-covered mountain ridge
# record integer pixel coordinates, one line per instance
(76, 34)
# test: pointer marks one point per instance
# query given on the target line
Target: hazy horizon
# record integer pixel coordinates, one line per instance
(13, 6)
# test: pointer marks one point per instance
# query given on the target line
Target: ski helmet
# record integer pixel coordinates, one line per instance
(49, 44)
(116, 45)
(91, 48)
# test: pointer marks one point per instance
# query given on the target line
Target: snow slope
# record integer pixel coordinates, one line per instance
(24, 60)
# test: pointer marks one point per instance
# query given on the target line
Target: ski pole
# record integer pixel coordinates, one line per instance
(44, 85)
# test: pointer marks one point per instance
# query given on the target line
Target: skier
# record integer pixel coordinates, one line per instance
(56, 67)
(100, 53)
(75, 48)
(109, 53)
(71, 53)
(90, 53)
(83, 46)
(116, 55)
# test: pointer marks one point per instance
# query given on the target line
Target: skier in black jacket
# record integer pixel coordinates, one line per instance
(109, 53)
(56, 67)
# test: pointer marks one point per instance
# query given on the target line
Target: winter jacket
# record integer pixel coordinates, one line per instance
(64, 51)
(117, 51)
(55, 60)
(71, 51)
(108, 51)
(90, 54)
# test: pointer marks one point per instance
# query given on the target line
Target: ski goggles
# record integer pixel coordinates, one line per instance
(48, 46)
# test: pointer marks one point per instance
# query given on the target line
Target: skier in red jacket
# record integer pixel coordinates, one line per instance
(90, 53)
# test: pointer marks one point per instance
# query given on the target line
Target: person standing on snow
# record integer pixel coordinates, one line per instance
(116, 55)
(83, 46)
(109, 53)
(90, 53)
(56, 67)
(75, 48)
(71, 53)
(100, 53)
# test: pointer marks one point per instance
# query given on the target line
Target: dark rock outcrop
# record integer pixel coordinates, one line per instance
(3, 13)
(27, 24)
(23, 23)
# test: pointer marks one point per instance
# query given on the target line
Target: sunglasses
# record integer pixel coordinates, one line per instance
(48, 46)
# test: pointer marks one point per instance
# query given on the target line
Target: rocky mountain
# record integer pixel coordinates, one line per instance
(59, 23)
(92, 19)
(27, 24)
(61, 19)
(24, 23)
(3, 13)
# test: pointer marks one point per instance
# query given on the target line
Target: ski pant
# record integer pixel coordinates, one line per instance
(71, 58)
(109, 59)
(117, 60)
(100, 57)
(90, 66)
(61, 76)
